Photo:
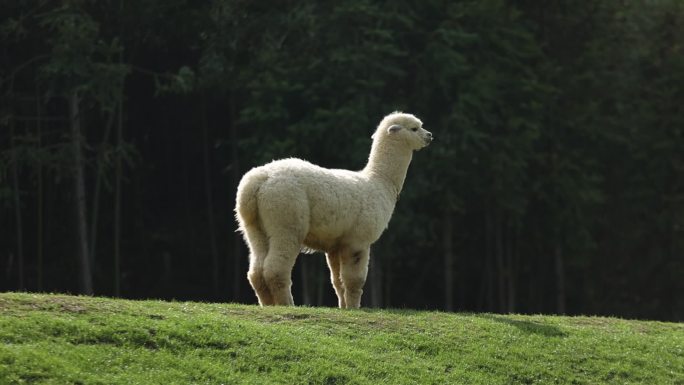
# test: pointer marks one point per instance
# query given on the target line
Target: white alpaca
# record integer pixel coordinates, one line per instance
(289, 205)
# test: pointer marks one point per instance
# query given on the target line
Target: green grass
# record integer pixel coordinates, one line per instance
(58, 339)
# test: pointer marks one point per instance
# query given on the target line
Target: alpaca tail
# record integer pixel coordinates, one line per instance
(246, 207)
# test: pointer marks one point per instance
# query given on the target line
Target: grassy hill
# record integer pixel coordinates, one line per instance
(57, 339)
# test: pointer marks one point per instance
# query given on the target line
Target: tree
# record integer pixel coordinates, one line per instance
(489, 98)
(554, 183)
(76, 72)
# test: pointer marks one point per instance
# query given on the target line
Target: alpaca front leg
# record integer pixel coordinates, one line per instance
(354, 269)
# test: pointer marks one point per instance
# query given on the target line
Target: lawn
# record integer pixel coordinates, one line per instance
(59, 339)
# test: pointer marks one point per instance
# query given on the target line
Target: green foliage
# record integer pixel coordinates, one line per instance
(79, 58)
(181, 82)
(488, 97)
(558, 132)
(302, 80)
(600, 154)
(58, 339)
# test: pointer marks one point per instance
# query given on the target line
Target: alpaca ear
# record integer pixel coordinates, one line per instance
(394, 128)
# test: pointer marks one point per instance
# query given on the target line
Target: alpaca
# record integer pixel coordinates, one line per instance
(290, 205)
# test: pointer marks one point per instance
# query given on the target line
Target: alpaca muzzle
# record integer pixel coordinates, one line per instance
(428, 138)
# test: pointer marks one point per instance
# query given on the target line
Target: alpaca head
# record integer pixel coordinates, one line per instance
(405, 129)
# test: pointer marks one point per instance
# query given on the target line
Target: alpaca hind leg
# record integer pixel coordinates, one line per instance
(334, 265)
(353, 271)
(277, 269)
(258, 248)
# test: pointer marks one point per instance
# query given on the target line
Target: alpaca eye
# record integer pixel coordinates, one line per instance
(414, 129)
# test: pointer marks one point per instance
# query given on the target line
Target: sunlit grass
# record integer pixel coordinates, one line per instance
(56, 339)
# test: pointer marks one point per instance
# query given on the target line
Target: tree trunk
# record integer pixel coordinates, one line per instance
(117, 179)
(86, 280)
(117, 200)
(489, 260)
(560, 278)
(305, 279)
(375, 282)
(17, 208)
(500, 266)
(238, 274)
(321, 283)
(510, 268)
(39, 197)
(388, 278)
(9, 267)
(209, 201)
(447, 239)
(98, 187)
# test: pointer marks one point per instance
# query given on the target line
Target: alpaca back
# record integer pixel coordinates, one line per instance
(325, 201)
(328, 207)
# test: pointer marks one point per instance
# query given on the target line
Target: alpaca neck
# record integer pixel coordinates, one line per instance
(389, 165)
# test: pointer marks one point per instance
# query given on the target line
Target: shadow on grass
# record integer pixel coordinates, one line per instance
(394, 311)
(529, 327)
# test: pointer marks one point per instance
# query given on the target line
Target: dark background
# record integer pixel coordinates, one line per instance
(555, 184)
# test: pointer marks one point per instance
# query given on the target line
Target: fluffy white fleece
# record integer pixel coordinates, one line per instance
(290, 204)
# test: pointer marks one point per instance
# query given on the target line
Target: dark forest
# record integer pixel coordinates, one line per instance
(555, 183)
